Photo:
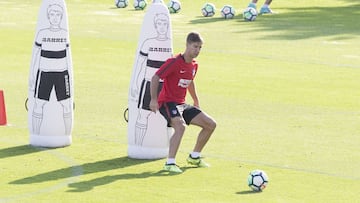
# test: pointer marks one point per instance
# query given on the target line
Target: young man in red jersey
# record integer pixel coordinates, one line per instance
(178, 74)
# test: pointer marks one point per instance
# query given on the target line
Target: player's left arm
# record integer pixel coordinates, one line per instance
(193, 94)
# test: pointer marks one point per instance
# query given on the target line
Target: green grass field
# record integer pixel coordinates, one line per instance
(283, 89)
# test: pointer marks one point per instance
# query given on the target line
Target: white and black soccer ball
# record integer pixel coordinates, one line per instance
(257, 180)
(228, 12)
(208, 10)
(140, 4)
(250, 14)
(121, 3)
(174, 6)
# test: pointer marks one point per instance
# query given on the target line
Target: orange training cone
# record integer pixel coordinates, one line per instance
(2, 109)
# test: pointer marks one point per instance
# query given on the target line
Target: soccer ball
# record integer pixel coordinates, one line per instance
(208, 10)
(257, 180)
(174, 6)
(228, 12)
(121, 3)
(250, 14)
(140, 4)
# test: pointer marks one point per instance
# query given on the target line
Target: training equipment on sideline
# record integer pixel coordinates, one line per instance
(208, 10)
(121, 3)
(174, 6)
(148, 134)
(257, 180)
(140, 4)
(228, 12)
(3, 120)
(250, 14)
(50, 98)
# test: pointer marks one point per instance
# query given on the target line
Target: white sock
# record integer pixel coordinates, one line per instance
(195, 154)
(265, 6)
(171, 161)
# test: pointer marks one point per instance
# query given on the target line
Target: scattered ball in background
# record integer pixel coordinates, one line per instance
(208, 10)
(250, 14)
(228, 12)
(174, 6)
(121, 3)
(140, 4)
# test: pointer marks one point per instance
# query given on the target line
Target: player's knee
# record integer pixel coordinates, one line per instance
(178, 126)
(211, 124)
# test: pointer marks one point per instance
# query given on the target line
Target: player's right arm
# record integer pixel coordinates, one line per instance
(154, 85)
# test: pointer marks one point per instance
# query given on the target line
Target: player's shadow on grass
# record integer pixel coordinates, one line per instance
(91, 184)
(19, 150)
(87, 168)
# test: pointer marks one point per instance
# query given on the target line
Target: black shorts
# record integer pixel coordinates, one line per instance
(171, 109)
(144, 96)
(47, 80)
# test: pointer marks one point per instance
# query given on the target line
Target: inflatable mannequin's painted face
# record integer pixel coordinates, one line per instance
(161, 23)
(55, 14)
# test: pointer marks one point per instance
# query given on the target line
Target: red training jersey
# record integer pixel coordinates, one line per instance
(177, 76)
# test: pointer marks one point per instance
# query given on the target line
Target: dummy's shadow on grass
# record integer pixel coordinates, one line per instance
(88, 168)
(19, 150)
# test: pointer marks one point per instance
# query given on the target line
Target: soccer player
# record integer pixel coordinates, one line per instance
(178, 73)
(50, 69)
(265, 9)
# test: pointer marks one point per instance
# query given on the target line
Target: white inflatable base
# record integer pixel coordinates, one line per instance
(50, 141)
(141, 152)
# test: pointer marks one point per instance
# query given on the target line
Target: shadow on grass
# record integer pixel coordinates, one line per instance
(18, 151)
(203, 20)
(87, 168)
(90, 168)
(301, 23)
(247, 192)
(90, 184)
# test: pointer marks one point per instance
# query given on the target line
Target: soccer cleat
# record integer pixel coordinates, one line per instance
(265, 10)
(252, 5)
(172, 168)
(197, 162)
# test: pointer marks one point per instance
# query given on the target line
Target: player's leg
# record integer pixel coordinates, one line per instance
(172, 115)
(265, 9)
(179, 128)
(207, 125)
(196, 117)
(253, 3)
